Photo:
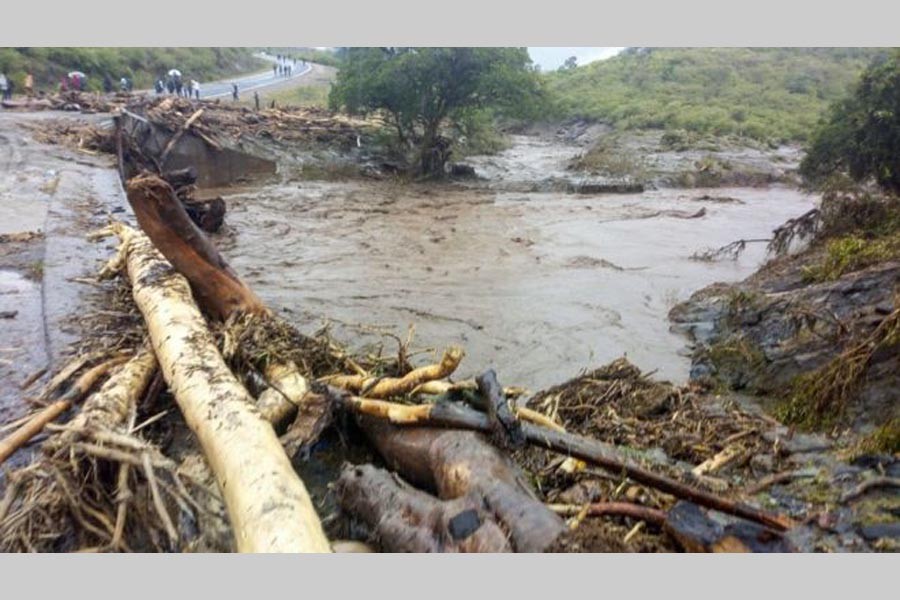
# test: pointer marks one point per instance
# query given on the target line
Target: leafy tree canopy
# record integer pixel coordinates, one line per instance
(424, 89)
(862, 134)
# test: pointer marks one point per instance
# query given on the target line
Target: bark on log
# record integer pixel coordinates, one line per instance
(404, 519)
(268, 506)
(162, 217)
(456, 464)
(589, 450)
(110, 405)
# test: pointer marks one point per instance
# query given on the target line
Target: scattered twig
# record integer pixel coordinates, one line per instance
(870, 484)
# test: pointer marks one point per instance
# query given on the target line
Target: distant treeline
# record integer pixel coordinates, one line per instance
(142, 65)
(769, 94)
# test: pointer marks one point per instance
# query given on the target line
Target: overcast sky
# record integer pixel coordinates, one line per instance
(552, 58)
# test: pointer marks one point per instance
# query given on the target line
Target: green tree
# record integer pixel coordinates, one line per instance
(423, 90)
(862, 134)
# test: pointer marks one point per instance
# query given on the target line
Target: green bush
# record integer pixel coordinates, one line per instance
(761, 93)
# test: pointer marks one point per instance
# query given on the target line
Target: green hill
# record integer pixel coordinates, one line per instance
(142, 65)
(762, 93)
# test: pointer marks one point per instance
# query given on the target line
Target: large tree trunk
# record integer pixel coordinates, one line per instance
(434, 152)
(164, 219)
(461, 464)
(268, 506)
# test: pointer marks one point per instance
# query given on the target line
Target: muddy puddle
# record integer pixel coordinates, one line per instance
(536, 285)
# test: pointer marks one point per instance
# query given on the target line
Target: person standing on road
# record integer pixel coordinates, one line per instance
(29, 84)
(195, 85)
(234, 92)
(4, 86)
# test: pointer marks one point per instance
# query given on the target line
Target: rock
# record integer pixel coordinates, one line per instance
(880, 530)
(462, 171)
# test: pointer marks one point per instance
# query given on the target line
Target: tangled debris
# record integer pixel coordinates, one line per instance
(220, 122)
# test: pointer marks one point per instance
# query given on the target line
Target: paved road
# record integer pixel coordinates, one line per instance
(249, 83)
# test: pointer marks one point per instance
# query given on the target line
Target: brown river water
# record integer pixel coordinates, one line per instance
(536, 285)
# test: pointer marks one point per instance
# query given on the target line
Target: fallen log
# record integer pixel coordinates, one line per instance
(164, 219)
(697, 532)
(404, 519)
(461, 464)
(268, 506)
(112, 403)
(216, 286)
(50, 413)
(589, 450)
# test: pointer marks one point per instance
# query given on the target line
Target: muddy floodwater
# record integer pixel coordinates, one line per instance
(537, 285)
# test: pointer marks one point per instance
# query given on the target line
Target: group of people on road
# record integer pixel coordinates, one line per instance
(173, 83)
(284, 66)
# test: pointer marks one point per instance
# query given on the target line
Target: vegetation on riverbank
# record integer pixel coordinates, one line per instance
(769, 94)
(142, 65)
(828, 319)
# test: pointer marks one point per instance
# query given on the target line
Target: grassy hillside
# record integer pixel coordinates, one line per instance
(763, 93)
(143, 65)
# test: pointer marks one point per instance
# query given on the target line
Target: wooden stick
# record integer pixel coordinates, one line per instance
(372, 387)
(36, 424)
(776, 478)
(174, 139)
(617, 509)
(869, 484)
(589, 450)
(32, 378)
(720, 460)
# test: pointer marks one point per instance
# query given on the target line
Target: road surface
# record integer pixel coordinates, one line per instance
(249, 83)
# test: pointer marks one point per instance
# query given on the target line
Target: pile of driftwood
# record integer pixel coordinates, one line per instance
(211, 120)
(254, 392)
(73, 101)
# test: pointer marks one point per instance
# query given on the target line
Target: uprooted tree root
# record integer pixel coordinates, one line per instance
(820, 398)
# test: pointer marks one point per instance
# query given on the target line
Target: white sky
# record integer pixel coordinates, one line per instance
(551, 58)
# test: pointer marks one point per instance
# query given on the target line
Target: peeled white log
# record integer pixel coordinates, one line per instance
(268, 506)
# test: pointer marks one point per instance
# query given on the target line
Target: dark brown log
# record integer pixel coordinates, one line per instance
(589, 450)
(456, 464)
(508, 429)
(165, 221)
(404, 519)
(697, 532)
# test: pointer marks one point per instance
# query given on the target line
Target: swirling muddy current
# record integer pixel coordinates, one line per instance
(536, 285)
